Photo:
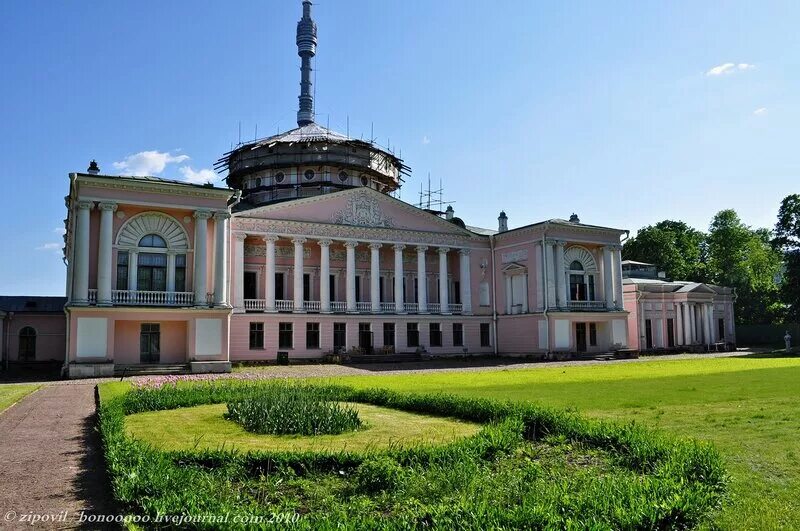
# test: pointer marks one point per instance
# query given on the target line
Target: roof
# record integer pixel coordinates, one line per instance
(675, 286)
(153, 179)
(634, 262)
(30, 304)
(481, 231)
(558, 221)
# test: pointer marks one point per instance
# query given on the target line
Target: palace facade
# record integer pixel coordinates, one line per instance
(305, 253)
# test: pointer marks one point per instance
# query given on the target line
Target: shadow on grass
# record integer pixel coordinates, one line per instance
(779, 353)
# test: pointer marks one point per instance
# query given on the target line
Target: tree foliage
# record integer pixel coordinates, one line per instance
(675, 247)
(787, 240)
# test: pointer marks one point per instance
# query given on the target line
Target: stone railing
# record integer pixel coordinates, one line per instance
(591, 306)
(125, 297)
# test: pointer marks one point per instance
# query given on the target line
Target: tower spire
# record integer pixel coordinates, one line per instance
(306, 49)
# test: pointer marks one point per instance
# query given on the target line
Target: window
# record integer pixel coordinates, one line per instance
(279, 177)
(577, 289)
(670, 333)
(648, 333)
(486, 340)
(455, 293)
(343, 176)
(364, 181)
(306, 287)
(576, 266)
(332, 287)
(365, 338)
(592, 334)
(153, 240)
(285, 335)
(339, 336)
(412, 334)
(258, 182)
(27, 344)
(122, 270)
(309, 175)
(152, 272)
(180, 272)
(458, 335)
(256, 335)
(312, 335)
(358, 288)
(388, 334)
(279, 291)
(436, 334)
(720, 329)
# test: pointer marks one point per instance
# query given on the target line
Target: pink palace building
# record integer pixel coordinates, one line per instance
(307, 254)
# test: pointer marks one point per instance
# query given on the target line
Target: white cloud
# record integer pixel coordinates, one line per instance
(729, 68)
(60, 230)
(426, 139)
(201, 176)
(53, 246)
(760, 111)
(147, 162)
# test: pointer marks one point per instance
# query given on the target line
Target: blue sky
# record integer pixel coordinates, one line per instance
(611, 110)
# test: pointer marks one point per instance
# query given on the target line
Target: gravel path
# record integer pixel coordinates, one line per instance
(52, 459)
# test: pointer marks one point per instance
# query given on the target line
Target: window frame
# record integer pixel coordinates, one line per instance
(256, 335)
(339, 329)
(283, 330)
(412, 335)
(458, 334)
(312, 336)
(435, 335)
(487, 335)
(389, 339)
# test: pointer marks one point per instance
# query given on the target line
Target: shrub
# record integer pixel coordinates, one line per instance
(292, 409)
(378, 473)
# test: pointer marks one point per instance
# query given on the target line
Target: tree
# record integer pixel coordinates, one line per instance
(675, 247)
(744, 259)
(787, 240)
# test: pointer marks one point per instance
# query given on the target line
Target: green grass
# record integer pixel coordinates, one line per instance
(748, 407)
(13, 393)
(524, 466)
(203, 427)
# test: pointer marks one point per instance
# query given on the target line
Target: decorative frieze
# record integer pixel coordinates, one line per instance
(362, 210)
(514, 256)
(255, 250)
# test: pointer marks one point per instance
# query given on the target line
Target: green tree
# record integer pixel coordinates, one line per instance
(745, 259)
(787, 240)
(675, 247)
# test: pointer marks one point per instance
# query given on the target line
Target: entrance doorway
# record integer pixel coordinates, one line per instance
(580, 337)
(365, 338)
(250, 290)
(150, 343)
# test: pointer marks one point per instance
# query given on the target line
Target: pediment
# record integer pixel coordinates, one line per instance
(358, 207)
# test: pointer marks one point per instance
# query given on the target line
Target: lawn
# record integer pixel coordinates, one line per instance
(204, 427)
(749, 408)
(13, 393)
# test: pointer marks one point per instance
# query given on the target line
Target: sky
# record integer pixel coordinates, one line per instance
(625, 113)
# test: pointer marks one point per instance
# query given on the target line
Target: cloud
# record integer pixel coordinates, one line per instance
(426, 139)
(760, 111)
(201, 176)
(729, 68)
(60, 230)
(53, 246)
(147, 162)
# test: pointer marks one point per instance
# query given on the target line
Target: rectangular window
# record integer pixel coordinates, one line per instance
(670, 333)
(285, 335)
(436, 334)
(332, 287)
(312, 335)
(122, 270)
(458, 335)
(152, 272)
(306, 287)
(339, 336)
(365, 338)
(416, 290)
(648, 333)
(592, 334)
(456, 296)
(358, 288)
(720, 329)
(486, 340)
(381, 290)
(279, 294)
(412, 334)
(180, 272)
(591, 287)
(388, 334)
(256, 335)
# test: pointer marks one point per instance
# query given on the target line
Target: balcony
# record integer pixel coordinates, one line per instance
(260, 305)
(124, 297)
(586, 306)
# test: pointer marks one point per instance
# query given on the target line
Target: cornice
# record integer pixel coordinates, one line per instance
(158, 187)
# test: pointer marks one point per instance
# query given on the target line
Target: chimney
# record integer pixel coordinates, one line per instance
(448, 214)
(502, 222)
(93, 169)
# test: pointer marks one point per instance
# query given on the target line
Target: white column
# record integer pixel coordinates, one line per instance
(104, 253)
(608, 277)
(269, 274)
(687, 326)
(399, 296)
(550, 262)
(351, 275)
(422, 280)
(465, 282)
(695, 334)
(444, 295)
(325, 276)
(238, 267)
(80, 283)
(539, 272)
(375, 277)
(710, 320)
(618, 277)
(200, 257)
(171, 272)
(678, 324)
(298, 275)
(561, 280)
(642, 327)
(220, 258)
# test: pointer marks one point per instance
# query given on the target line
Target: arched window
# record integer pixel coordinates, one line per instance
(279, 177)
(152, 240)
(27, 344)
(258, 182)
(343, 176)
(309, 174)
(576, 266)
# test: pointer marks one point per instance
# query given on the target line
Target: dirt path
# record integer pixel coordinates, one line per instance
(51, 459)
